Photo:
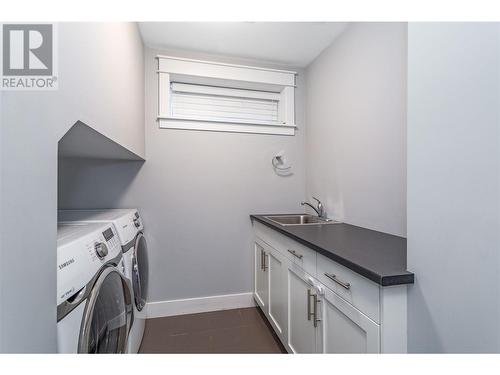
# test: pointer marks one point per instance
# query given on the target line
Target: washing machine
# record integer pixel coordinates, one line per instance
(130, 230)
(94, 298)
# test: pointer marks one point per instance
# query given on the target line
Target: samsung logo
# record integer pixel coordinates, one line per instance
(66, 264)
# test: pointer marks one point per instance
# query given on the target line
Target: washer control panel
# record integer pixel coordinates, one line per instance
(106, 246)
(101, 249)
(110, 237)
(82, 250)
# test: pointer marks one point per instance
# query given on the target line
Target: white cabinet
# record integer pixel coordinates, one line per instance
(315, 305)
(302, 334)
(323, 322)
(345, 329)
(278, 309)
(271, 286)
(261, 281)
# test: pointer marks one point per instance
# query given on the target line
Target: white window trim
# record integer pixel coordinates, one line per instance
(277, 84)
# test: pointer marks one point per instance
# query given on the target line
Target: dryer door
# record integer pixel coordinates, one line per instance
(140, 271)
(107, 317)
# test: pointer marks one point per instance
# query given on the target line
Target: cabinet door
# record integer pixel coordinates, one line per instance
(301, 330)
(278, 292)
(261, 287)
(345, 329)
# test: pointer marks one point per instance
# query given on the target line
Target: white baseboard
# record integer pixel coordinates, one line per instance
(197, 305)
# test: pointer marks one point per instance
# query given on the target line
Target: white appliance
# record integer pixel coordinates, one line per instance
(130, 229)
(94, 298)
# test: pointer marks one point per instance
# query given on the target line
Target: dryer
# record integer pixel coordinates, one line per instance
(130, 230)
(94, 298)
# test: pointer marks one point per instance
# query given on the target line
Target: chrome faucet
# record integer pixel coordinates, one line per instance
(319, 209)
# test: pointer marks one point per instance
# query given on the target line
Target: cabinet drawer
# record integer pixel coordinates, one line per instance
(290, 249)
(274, 239)
(302, 256)
(355, 289)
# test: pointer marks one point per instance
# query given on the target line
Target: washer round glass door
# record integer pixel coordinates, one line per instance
(140, 271)
(107, 316)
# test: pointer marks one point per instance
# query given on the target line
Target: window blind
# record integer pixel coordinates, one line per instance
(222, 104)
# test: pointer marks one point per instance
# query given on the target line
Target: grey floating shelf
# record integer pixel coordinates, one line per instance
(82, 141)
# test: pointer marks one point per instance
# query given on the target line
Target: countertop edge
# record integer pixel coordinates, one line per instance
(402, 278)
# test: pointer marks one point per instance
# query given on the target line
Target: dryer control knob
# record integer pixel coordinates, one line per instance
(101, 249)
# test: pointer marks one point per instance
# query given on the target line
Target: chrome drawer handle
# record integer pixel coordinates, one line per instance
(341, 283)
(263, 265)
(294, 253)
(315, 312)
(309, 295)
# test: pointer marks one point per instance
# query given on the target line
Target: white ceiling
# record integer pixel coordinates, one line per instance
(291, 43)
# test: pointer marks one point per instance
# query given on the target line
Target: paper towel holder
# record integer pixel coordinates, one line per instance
(279, 163)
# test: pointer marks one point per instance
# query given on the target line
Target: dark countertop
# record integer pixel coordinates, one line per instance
(378, 256)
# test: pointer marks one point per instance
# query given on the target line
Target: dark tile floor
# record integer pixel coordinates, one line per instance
(228, 331)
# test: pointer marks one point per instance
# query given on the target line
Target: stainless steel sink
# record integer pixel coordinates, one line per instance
(287, 220)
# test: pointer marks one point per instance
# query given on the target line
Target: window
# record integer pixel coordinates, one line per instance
(205, 95)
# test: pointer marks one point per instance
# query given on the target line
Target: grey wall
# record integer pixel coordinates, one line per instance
(195, 193)
(356, 126)
(101, 83)
(1, 210)
(453, 187)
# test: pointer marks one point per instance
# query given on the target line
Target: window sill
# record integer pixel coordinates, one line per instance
(187, 124)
